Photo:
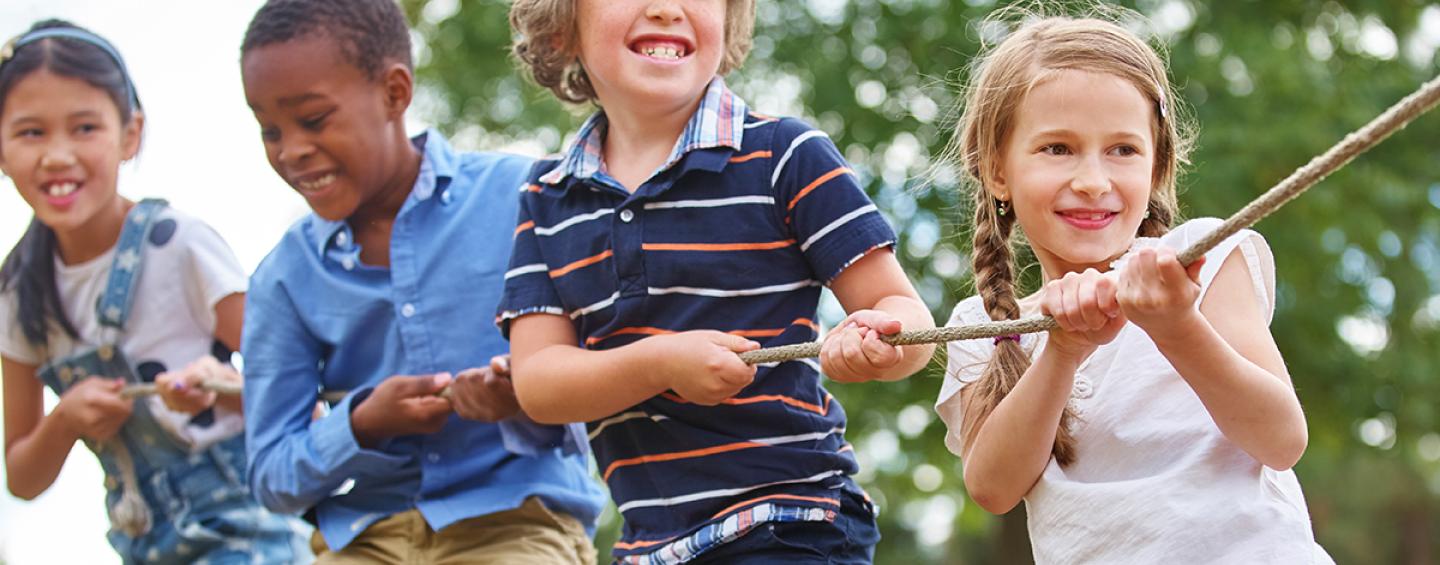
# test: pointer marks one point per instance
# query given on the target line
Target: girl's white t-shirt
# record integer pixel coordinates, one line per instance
(1155, 481)
(187, 269)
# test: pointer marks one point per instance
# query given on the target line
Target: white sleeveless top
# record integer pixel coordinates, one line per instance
(1154, 480)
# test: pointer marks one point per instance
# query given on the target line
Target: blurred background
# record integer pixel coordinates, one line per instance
(1270, 84)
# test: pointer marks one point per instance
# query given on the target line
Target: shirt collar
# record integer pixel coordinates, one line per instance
(438, 165)
(718, 122)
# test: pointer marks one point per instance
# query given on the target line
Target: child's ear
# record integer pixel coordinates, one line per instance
(130, 144)
(399, 84)
(997, 187)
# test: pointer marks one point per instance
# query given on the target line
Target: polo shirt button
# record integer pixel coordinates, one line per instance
(445, 197)
(342, 240)
(627, 215)
(348, 263)
(407, 310)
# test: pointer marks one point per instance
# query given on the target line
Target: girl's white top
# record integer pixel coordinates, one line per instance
(172, 315)
(1154, 480)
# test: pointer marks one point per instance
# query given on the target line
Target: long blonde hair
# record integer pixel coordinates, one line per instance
(999, 81)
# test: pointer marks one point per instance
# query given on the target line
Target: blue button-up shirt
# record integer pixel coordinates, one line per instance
(317, 319)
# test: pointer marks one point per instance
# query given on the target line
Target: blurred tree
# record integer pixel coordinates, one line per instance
(1270, 83)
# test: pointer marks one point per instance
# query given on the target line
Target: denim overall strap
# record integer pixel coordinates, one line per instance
(113, 308)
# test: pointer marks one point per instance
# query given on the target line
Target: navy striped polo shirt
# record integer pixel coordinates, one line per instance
(737, 233)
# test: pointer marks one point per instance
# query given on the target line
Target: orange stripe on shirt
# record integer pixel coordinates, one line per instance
(813, 185)
(717, 246)
(741, 401)
(531, 188)
(647, 330)
(750, 156)
(641, 330)
(737, 505)
(562, 271)
(678, 455)
(525, 226)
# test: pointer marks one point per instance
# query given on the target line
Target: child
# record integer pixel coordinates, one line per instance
(1157, 423)
(101, 292)
(677, 226)
(380, 292)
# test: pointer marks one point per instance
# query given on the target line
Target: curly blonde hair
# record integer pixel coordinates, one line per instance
(1000, 80)
(547, 36)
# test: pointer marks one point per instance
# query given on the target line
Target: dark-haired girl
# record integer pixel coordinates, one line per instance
(102, 292)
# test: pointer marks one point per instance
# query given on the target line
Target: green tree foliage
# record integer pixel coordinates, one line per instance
(1270, 83)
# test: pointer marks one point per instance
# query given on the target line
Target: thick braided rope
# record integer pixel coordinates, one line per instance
(1403, 112)
(1411, 107)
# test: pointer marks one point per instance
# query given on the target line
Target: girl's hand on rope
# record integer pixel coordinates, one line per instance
(1086, 308)
(94, 409)
(181, 390)
(1157, 292)
(702, 366)
(853, 351)
(401, 406)
(485, 393)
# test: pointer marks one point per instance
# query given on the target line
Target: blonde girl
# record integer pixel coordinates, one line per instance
(1158, 422)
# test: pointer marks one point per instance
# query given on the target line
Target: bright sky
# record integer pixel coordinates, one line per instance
(202, 152)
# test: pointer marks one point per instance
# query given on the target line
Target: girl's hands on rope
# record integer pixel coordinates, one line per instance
(485, 393)
(181, 390)
(701, 366)
(1158, 293)
(1151, 288)
(853, 351)
(1086, 308)
(94, 409)
(400, 406)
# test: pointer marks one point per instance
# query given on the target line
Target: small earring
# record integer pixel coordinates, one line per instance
(1000, 207)
(1147, 213)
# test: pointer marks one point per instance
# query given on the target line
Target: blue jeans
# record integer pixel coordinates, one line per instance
(851, 538)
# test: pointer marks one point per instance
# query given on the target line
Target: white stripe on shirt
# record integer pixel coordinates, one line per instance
(711, 203)
(723, 293)
(624, 417)
(682, 499)
(601, 305)
(780, 165)
(842, 220)
(525, 270)
(552, 230)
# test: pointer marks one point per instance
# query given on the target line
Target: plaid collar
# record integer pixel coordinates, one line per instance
(718, 122)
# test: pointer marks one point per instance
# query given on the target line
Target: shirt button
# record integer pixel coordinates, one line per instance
(407, 310)
(626, 216)
(445, 197)
(348, 263)
(342, 239)
(434, 457)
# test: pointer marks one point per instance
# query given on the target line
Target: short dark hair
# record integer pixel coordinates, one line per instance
(371, 33)
(30, 266)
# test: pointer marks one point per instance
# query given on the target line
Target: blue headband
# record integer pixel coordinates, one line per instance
(78, 35)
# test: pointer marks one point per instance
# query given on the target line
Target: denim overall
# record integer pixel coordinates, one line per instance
(168, 505)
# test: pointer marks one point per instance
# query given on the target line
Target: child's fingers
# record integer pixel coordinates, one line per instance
(500, 365)
(1171, 271)
(877, 320)
(877, 352)
(1193, 269)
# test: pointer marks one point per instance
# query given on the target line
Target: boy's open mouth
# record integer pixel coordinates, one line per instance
(662, 48)
(315, 184)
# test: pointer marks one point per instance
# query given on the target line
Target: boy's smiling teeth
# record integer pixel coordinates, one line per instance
(62, 188)
(667, 50)
(317, 184)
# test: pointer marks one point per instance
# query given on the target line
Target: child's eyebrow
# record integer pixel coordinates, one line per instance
(299, 99)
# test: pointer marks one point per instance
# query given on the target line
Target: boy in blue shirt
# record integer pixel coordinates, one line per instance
(381, 292)
(677, 227)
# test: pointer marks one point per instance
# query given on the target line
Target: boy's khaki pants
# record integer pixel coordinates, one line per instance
(528, 534)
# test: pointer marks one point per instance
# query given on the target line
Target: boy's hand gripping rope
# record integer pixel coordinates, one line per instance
(1412, 106)
(1403, 112)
